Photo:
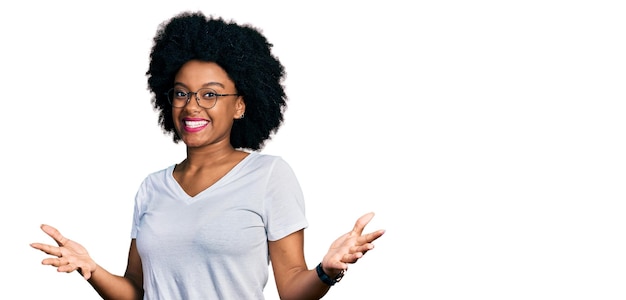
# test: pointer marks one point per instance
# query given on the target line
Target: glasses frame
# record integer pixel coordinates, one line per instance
(217, 96)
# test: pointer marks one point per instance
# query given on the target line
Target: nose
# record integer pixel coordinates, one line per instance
(193, 100)
(192, 106)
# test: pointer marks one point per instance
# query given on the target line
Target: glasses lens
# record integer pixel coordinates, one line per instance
(207, 98)
(177, 97)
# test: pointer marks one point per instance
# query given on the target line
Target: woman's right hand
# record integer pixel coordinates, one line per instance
(70, 256)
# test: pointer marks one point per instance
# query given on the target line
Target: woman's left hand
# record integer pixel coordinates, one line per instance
(350, 247)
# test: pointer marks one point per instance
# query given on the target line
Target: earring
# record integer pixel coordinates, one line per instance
(241, 117)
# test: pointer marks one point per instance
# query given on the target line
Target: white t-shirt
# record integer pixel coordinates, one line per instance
(214, 245)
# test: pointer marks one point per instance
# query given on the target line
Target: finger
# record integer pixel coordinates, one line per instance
(67, 268)
(362, 248)
(84, 270)
(370, 237)
(54, 234)
(351, 258)
(48, 249)
(337, 265)
(55, 262)
(362, 222)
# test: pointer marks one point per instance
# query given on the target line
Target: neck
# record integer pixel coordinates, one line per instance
(207, 156)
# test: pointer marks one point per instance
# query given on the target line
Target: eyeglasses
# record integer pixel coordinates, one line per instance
(207, 98)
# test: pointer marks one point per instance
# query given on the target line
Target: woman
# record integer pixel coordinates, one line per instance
(207, 227)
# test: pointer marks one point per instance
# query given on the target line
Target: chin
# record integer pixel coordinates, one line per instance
(192, 142)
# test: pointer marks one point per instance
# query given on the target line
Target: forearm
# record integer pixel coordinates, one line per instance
(110, 286)
(304, 285)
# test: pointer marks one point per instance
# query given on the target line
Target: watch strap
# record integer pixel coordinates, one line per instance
(327, 279)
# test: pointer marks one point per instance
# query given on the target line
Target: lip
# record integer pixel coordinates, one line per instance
(194, 124)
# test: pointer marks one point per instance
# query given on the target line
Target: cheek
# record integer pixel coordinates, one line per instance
(175, 116)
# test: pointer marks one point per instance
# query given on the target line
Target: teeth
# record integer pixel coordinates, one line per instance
(195, 124)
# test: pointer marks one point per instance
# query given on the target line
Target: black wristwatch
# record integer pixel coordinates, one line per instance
(325, 278)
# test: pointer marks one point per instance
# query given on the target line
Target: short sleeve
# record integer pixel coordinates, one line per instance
(284, 202)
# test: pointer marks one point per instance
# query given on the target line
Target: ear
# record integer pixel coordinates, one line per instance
(240, 108)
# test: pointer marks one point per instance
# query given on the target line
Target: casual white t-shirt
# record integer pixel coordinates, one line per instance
(214, 245)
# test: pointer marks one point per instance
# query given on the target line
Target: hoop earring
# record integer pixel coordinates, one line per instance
(241, 117)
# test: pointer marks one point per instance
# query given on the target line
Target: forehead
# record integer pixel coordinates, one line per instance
(197, 74)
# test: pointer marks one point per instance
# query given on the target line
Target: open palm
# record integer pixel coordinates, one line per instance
(70, 256)
(350, 247)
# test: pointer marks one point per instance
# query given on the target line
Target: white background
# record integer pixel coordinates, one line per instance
(488, 137)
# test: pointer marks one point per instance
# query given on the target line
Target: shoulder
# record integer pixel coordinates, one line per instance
(159, 175)
(267, 160)
(162, 171)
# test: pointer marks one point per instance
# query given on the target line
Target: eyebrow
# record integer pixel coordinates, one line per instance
(208, 84)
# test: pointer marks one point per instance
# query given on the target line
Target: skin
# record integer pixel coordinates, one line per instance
(210, 156)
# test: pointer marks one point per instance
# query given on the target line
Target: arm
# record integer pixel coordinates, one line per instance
(293, 278)
(111, 286)
(72, 256)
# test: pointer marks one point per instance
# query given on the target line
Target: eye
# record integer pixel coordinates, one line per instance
(180, 94)
(208, 94)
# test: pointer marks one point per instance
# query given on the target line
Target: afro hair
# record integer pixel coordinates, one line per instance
(242, 51)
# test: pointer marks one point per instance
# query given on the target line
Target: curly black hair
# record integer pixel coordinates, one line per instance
(242, 51)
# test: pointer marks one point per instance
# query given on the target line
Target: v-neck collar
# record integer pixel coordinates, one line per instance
(190, 199)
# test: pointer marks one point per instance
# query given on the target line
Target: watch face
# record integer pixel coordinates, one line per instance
(339, 276)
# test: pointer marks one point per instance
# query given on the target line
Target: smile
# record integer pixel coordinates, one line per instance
(195, 125)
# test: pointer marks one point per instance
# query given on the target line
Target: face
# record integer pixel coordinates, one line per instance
(198, 126)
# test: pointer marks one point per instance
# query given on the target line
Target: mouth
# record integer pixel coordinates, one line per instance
(193, 125)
